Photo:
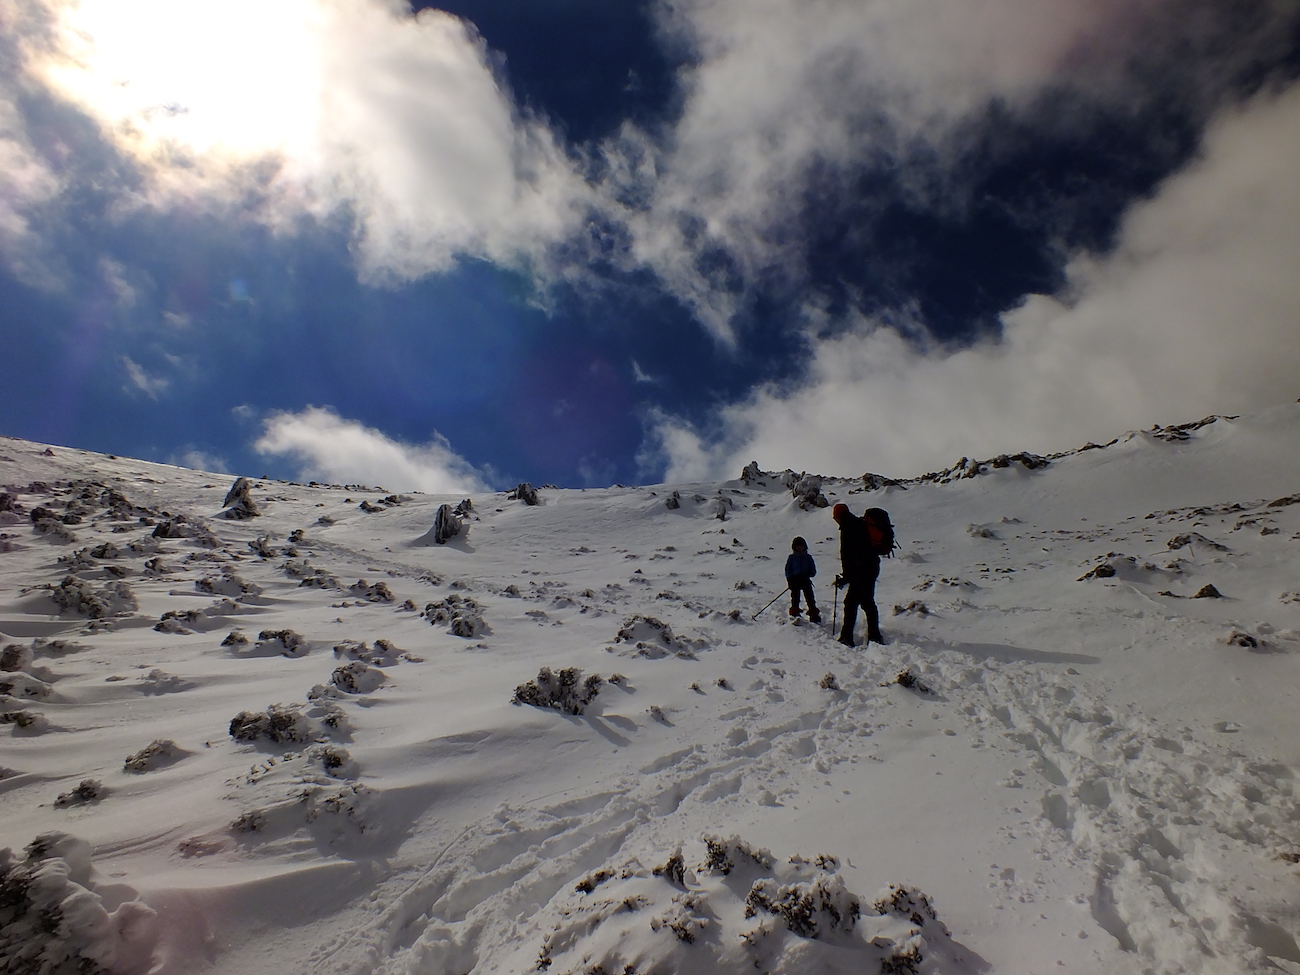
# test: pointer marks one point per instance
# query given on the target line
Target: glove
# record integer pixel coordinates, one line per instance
(841, 582)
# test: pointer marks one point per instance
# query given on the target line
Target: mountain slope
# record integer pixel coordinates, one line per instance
(1101, 777)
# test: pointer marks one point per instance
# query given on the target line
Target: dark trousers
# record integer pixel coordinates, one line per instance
(861, 592)
(801, 585)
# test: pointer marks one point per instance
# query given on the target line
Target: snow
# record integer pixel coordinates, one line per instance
(291, 743)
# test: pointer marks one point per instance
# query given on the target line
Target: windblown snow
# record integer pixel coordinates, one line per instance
(272, 727)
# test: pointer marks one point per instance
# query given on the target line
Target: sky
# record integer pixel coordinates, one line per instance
(581, 242)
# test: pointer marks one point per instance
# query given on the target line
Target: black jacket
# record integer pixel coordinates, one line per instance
(857, 559)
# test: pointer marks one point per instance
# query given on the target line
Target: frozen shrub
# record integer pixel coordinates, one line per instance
(179, 526)
(289, 643)
(77, 596)
(460, 613)
(89, 790)
(674, 870)
(158, 753)
(15, 657)
(279, 722)
(829, 683)
(809, 908)
(230, 584)
(1103, 571)
(261, 547)
(54, 922)
(909, 680)
(378, 593)
(335, 760)
(235, 638)
(682, 917)
(566, 691)
(357, 678)
(24, 686)
(25, 720)
(723, 854)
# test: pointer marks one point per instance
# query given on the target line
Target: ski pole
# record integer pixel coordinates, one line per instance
(835, 605)
(774, 599)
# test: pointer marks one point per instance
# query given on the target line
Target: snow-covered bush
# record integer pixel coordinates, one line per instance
(460, 613)
(288, 643)
(566, 691)
(78, 596)
(357, 678)
(654, 638)
(15, 657)
(230, 584)
(88, 790)
(808, 908)
(279, 722)
(377, 593)
(54, 922)
(724, 853)
(179, 526)
(158, 753)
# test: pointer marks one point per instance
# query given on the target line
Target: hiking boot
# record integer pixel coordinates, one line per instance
(876, 638)
(795, 611)
(846, 642)
(815, 615)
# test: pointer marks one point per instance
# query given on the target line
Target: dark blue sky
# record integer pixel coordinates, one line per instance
(174, 331)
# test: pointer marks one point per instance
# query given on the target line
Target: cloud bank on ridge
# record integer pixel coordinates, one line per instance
(1196, 310)
(338, 451)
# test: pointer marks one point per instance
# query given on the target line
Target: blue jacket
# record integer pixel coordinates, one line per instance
(800, 565)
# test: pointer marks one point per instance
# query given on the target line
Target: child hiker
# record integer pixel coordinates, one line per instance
(799, 571)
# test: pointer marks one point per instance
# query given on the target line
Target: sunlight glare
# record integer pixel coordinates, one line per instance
(229, 80)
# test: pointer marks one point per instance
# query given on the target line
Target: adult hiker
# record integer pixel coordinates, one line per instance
(799, 571)
(859, 569)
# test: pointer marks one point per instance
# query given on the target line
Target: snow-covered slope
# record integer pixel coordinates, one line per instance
(287, 743)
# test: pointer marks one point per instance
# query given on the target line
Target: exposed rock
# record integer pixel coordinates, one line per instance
(525, 492)
(239, 504)
(446, 524)
(807, 492)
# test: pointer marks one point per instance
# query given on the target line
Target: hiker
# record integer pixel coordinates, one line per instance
(799, 571)
(859, 569)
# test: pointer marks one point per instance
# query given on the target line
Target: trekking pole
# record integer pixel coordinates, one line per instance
(835, 605)
(774, 599)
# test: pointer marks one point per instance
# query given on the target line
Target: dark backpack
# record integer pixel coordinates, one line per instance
(880, 531)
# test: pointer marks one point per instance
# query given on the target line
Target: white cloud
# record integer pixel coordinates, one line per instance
(789, 99)
(1197, 310)
(340, 451)
(140, 380)
(354, 105)
(28, 183)
(200, 460)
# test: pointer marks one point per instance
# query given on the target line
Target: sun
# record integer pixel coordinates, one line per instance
(219, 79)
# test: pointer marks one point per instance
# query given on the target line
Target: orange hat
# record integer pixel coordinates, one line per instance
(839, 511)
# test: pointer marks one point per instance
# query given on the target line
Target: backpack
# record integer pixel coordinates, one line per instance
(880, 532)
